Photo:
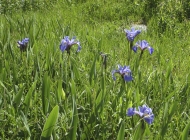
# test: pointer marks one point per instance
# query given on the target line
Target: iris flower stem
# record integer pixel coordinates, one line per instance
(141, 55)
(133, 124)
(26, 70)
(105, 61)
(140, 58)
(131, 45)
(61, 67)
(129, 50)
(142, 128)
(64, 72)
(124, 91)
(70, 68)
(103, 69)
(138, 61)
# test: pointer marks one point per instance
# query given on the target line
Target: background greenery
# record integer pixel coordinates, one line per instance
(44, 87)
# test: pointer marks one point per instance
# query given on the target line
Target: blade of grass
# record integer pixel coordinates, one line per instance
(50, 123)
(17, 99)
(28, 97)
(185, 133)
(73, 131)
(121, 133)
(45, 93)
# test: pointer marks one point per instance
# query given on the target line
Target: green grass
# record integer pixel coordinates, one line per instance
(82, 94)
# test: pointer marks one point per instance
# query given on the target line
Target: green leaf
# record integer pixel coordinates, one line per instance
(15, 74)
(45, 93)
(29, 96)
(92, 71)
(50, 123)
(121, 133)
(24, 119)
(74, 122)
(75, 68)
(73, 88)
(185, 132)
(61, 93)
(75, 113)
(1, 83)
(139, 132)
(18, 97)
(99, 102)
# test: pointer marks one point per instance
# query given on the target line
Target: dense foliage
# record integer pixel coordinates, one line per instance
(49, 93)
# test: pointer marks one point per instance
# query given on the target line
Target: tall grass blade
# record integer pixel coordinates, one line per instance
(93, 71)
(121, 133)
(73, 131)
(61, 93)
(17, 99)
(185, 132)
(28, 97)
(45, 93)
(50, 123)
(24, 119)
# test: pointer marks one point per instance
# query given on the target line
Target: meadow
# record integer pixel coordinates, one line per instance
(46, 93)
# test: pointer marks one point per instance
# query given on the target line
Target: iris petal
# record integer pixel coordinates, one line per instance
(113, 72)
(26, 40)
(135, 49)
(151, 50)
(79, 48)
(63, 47)
(149, 119)
(128, 78)
(130, 111)
(20, 43)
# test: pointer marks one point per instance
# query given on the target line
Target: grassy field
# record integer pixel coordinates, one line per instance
(48, 94)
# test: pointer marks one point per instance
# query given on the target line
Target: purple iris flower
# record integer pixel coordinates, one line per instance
(143, 45)
(131, 34)
(125, 72)
(144, 112)
(66, 44)
(23, 44)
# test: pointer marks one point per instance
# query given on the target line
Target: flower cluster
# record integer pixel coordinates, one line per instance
(66, 43)
(144, 112)
(131, 34)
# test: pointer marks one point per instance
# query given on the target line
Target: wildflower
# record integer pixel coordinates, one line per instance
(131, 34)
(66, 44)
(143, 45)
(125, 72)
(23, 44)
(144, 112)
